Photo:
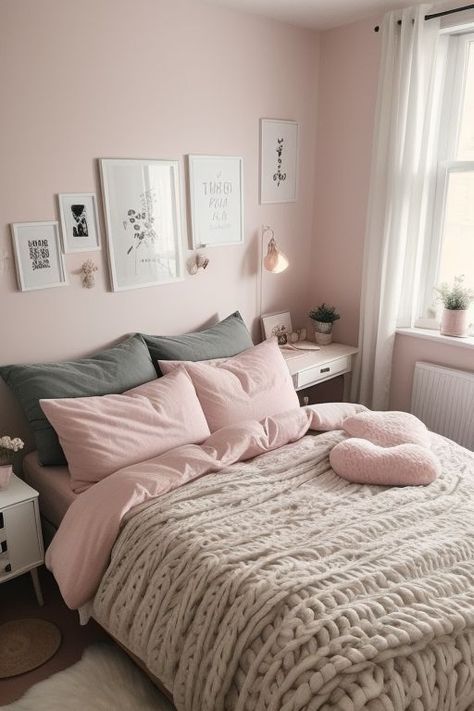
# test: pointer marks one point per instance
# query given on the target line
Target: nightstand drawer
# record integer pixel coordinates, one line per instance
(5, 565)
(318, 373)
(20, 534)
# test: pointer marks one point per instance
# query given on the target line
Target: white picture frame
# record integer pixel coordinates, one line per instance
(277, 324)
(79, 227)
(142, 209)
(216, 200)
(39, 260)
(278, 161)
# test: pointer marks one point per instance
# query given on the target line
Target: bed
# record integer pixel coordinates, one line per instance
(275, 584)
(55, 494)
(210, 535)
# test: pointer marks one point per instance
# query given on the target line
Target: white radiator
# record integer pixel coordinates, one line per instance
(443, 398)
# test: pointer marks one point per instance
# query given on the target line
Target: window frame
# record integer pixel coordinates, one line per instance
(452, 94)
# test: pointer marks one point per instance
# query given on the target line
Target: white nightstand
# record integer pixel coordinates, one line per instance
(309, 368)
(21, 540)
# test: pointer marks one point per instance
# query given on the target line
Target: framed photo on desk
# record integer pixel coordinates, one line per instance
(277, 324)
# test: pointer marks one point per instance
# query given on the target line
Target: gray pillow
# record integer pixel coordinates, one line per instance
(225, 339)
(111, 371)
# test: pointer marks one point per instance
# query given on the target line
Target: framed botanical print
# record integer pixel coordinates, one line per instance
(38, 257)
(278, 160)
(216, 200)
(143, 220)
(79, 222)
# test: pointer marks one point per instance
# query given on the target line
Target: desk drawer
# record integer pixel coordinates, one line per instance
(322, 372)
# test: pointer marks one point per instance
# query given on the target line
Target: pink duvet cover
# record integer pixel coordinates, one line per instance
(79, 553)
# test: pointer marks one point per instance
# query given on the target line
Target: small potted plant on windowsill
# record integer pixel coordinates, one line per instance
(323, 317)
(8, 449)
(456, 300)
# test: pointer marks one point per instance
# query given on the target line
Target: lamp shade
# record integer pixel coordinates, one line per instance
(275, 260)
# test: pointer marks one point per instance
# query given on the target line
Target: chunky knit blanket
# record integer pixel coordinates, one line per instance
(276, 585)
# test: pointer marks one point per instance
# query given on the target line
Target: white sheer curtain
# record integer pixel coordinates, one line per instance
(398, 195)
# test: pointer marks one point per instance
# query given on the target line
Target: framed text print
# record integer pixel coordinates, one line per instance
(278, 160)
(143, 220)
(38, 258)
(216, 200)
(79, 222)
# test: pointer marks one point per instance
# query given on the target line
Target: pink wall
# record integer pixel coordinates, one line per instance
(144, 78)
(349, 65)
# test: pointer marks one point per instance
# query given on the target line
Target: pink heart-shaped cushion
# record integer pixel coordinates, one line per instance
(388, 429)
(362, 462)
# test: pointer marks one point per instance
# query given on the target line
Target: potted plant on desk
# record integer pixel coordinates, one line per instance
(8, 449)
(456, 300)
(323, 317)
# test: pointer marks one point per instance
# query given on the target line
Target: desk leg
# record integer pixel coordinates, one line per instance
(346, 396)
(37, 586)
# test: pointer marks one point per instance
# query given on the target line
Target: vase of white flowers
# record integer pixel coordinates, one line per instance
(8, 448)
(456, 300)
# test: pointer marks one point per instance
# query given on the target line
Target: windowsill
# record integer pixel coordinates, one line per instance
(431, 335)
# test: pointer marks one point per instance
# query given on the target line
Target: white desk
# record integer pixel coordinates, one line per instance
(310, 368)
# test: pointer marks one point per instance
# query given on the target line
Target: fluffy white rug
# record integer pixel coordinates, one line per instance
(103, 680)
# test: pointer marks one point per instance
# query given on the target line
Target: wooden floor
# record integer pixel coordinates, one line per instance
(17, 600)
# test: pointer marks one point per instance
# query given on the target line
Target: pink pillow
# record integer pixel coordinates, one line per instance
(250, 386)
(328, 416)
(388, 429)
(102, 434)
(362, 462)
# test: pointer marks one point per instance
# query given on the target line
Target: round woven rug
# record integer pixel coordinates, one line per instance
(26, 645)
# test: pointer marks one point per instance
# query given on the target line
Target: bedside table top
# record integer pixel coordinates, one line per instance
(16, 492)
(301, 360)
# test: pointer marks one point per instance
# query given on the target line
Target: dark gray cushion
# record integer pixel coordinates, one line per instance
(111, 371)
(225, 339)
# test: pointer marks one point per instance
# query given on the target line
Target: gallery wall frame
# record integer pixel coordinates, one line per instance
(278, 160)
(143, 215)
(216, 200)
(79, 222)
(38, 256)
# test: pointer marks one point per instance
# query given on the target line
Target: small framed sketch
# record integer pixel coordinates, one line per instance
(216, 200)
(79, 222)
(278, 160)
(143, 219)
(38, 257)
(277, 324)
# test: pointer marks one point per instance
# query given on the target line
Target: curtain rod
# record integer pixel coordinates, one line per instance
(438, 14)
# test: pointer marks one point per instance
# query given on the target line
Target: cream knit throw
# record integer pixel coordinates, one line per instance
(276, 585)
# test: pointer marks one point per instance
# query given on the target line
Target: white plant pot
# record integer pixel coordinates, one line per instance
(322, 327)
(323, 333)
(455, 322)
(322, 339)
(5, 474)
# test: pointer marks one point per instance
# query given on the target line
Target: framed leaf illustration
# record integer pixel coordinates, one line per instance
(143, 220)
(278, 160)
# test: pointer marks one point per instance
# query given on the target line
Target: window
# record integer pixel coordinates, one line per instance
(450, 246)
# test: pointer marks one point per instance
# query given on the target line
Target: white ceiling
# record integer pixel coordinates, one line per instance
(318, 14)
